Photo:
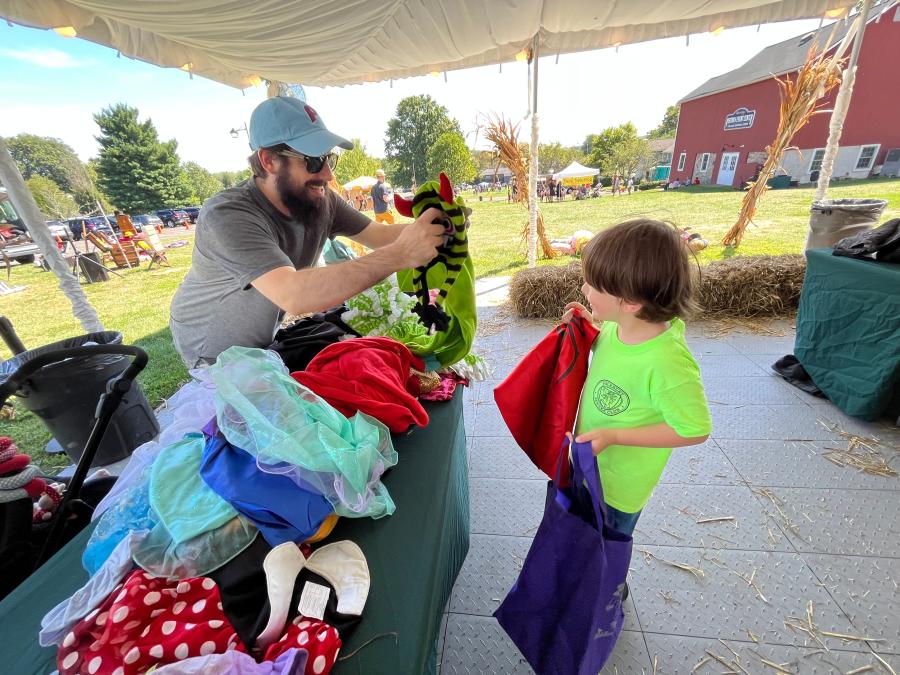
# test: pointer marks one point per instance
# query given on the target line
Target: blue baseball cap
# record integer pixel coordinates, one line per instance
(295, 123)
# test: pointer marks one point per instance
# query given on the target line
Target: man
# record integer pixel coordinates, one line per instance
(257, 243)
(381, 200)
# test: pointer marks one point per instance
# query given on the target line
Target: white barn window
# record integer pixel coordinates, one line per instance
(866, 157)
(704, 162)
(681, 159)
(815, 163)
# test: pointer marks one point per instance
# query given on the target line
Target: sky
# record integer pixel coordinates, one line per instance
(51, 86)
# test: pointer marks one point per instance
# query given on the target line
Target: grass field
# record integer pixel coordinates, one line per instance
(138, 304)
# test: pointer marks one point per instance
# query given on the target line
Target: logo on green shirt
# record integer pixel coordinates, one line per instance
(610, 398)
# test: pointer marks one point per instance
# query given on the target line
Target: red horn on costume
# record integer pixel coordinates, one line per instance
(446, 189)
(403, 206)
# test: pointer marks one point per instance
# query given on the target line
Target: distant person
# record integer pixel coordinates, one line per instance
(616, 182)
(696, 180)
(382, 200)
(630, 184)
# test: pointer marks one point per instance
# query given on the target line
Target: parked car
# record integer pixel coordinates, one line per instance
(192, 211)
(99, 223)
(58, 229)
(146, 219)
(173, 217)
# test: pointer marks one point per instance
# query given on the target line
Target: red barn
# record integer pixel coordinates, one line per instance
(726, 124)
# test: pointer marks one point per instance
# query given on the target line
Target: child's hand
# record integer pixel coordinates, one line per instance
(600, 439)
(574, 308)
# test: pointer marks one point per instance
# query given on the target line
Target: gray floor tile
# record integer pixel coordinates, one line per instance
(500, 457)
(701, 346)
(442, 632)
(728, 365)
(846, 522)
(489, 421)
(866, 589)
(747, 390)
(772, 422)
(511, 507)
(469, 414)
(723, 604)
(678, 655)
(768, 345)
(490, 569)
(477, 645)
(798, 464)
(700, 465)
(884, 430)
(672, 514)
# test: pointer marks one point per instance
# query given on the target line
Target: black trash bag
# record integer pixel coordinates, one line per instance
(793, 371)
(881, 244)
(298, 343)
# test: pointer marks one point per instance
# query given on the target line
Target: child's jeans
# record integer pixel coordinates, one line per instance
(621, 521)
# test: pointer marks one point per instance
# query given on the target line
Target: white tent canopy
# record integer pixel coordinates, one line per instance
(338, 42)
(575, 170)
(363, 182)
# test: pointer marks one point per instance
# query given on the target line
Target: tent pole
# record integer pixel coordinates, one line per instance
(533, 162)
(24, 204)
(841, 104)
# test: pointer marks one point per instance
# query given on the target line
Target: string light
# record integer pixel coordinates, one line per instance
(716, 32)
(66, 31)
(522, 56)
(434, 73)
(835, 13)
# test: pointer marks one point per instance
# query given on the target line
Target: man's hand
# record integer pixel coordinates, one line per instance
(417, 244)
(573, 309)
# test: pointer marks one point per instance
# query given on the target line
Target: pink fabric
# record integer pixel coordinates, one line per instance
(444, 391)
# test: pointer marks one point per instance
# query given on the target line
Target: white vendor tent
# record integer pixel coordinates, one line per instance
(361, 183)
(576, 174)
(338, 42)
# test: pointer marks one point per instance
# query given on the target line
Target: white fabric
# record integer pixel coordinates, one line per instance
(60, 620)
(282, 565)
(343, 565)
(575, 170)
(187, 411)
(363, 182)
(337, 42)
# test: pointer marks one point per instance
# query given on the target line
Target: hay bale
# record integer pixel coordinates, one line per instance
(543, 292)
(744, 286)
(748, 286)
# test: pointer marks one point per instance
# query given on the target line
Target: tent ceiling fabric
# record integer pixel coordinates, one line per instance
(338, 42)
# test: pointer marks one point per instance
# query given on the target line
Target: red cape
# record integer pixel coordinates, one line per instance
(539, 399)
(369, 375)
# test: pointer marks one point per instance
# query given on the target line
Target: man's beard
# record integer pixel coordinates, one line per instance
(310, 210)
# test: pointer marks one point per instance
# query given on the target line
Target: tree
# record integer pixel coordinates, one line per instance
(232, 178)
(450, 155)
(50, 158)
(51, 200)
(416, 126)
(136, 170)
(355, 163)
(669, 124)
(202, 183)
(53, 159)
(554, 157)
(97, 195)
(627, 156)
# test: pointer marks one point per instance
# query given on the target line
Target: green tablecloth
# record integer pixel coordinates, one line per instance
(414, 557)
(848, 331)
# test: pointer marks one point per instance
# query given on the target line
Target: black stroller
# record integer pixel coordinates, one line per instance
(25, 546)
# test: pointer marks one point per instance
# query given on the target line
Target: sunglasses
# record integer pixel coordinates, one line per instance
(313, 164)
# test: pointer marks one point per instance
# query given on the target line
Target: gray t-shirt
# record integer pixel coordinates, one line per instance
(239, 237)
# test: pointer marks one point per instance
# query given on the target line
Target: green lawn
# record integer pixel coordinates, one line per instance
(138, 304)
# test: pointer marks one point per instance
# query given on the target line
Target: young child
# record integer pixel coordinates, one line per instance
(643, 395)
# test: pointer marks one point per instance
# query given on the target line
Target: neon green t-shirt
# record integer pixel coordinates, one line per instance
(632, 386)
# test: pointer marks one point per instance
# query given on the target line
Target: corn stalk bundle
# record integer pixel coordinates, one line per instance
(800, 98)
(505, 137)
